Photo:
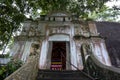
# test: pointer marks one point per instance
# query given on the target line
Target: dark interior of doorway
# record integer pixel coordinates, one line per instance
(58, 57)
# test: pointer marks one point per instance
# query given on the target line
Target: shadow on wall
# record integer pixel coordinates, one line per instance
(111, 31)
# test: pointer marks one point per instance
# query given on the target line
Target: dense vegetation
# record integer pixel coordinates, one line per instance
(6, 70)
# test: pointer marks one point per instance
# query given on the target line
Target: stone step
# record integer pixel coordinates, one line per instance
(61, 75)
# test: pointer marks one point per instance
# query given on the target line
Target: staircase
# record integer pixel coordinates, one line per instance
(62, 75)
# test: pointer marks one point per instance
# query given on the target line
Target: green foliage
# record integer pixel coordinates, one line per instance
(106, 14)
(2, 72)
(4, 55)
(11, 66)
(79, 7)
(12, 12)
(84, 7)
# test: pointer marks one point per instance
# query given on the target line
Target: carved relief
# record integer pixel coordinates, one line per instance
(30, 32)
(82, 30)
(59, 29)
(34, 49)
(78, 30)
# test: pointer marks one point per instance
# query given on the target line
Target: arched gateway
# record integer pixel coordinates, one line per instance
(64, 35)
(58, 52)
(56, 42)
(59, 36)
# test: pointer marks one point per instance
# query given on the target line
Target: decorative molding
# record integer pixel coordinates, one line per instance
(58, 29)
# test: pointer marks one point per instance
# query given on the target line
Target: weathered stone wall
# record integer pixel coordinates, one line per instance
(30, 56)
(31, 33)
(100, 51)
(76, 32)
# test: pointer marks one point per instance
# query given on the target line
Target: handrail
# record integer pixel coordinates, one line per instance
(100, 71)
(112, 68)
(78, 69)
(96, 69)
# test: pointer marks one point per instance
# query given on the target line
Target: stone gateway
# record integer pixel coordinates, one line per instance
(59, 42)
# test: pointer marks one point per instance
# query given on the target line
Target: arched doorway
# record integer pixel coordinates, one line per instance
(58, 45)
(58, 55)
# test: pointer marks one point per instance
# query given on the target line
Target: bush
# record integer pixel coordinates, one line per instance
(4, 55)
(10, 67)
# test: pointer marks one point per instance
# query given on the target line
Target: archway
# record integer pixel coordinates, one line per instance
(59, 52)
(58, 55)
(46, 58)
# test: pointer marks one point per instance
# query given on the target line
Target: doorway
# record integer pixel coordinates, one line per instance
(58, 56)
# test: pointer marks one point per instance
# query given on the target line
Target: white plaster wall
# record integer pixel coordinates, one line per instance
(72, 33)
(43, 55)
(14, 49)
(4, 60)
(105, 54)
(101, 53)
(17, 49)
(73, 51)
(79, 56)
(20, 52)
(26, 51)
(73, 54)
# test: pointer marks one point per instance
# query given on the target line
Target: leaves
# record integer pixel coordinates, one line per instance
(12, 12)
(10, 18)
(106, 14)
(9, 68)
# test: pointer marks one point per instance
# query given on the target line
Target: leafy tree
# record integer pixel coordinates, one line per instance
(79, 7)
(106, 14)
(12, 12)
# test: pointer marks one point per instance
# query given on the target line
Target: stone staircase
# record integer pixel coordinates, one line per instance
(27, 72)
(62, 75)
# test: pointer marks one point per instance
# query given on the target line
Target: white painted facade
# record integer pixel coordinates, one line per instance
(74, 32)
(100, 51)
